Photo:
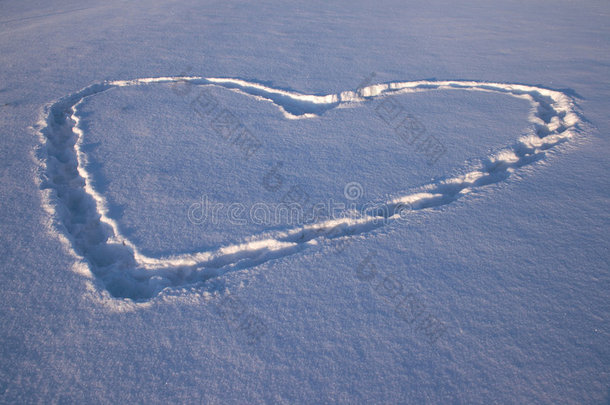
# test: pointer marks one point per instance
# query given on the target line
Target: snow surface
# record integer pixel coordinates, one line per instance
(464, 145)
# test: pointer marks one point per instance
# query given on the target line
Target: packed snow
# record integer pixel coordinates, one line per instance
(346, 202)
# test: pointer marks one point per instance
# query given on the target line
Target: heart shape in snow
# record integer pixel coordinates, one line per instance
(127, 273)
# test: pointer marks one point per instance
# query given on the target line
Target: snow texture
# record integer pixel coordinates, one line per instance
(448, 167)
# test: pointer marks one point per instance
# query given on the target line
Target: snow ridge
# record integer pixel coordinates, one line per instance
(82, 216)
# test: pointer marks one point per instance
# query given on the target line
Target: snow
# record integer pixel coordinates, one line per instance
(449, 163)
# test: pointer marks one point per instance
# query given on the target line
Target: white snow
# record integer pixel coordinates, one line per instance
(447, 168)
